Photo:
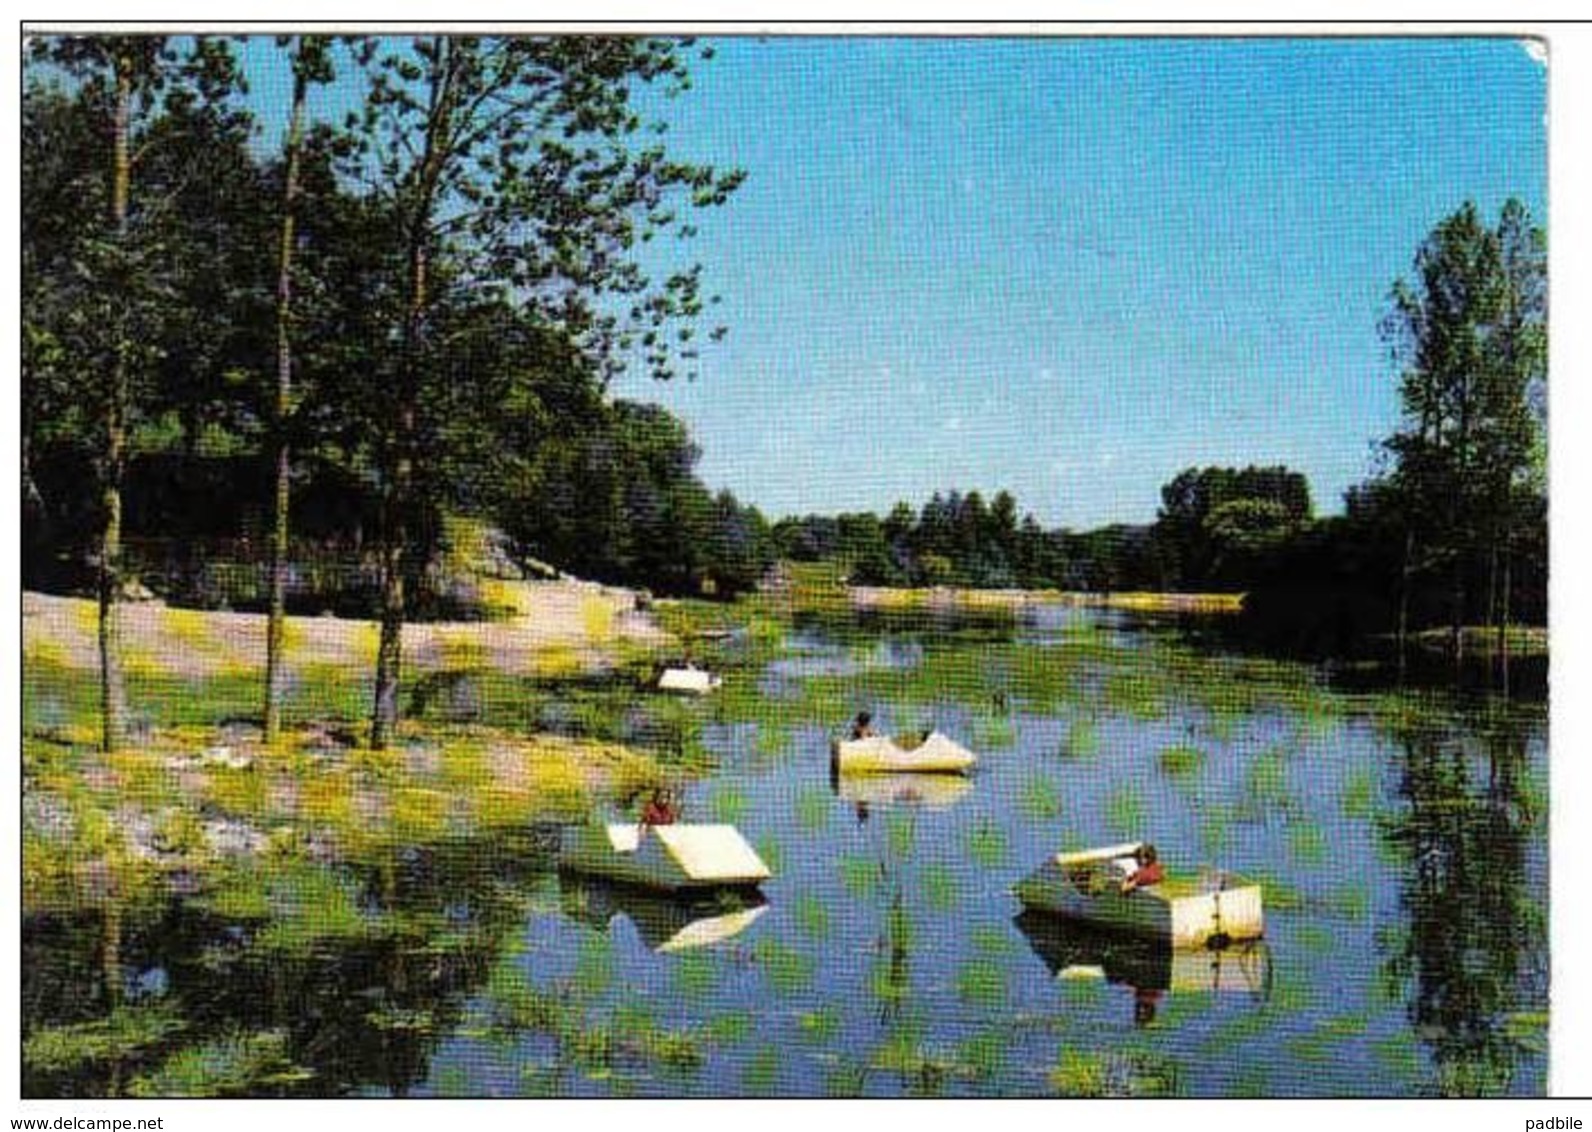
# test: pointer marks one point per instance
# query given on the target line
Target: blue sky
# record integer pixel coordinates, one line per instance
(1072, 267)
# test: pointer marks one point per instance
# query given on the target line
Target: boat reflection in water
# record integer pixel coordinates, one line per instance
(865, 792)
(1150, 968)
(664, 923)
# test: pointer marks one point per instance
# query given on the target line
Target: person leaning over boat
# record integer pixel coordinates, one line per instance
(1149, 871)
(862, 726)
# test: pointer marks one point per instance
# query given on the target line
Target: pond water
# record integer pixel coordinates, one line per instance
(1401, 839)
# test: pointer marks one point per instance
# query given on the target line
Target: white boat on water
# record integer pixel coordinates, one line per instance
(881, 754)
(689, 680)
(667, 858)
(1087, 887)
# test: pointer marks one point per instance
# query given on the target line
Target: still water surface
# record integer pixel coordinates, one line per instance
(1401, 839)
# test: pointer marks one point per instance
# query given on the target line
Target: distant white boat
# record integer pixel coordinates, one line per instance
(690, 679)
(880, 754)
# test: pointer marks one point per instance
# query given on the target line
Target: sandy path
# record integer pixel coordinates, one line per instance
(578, 622)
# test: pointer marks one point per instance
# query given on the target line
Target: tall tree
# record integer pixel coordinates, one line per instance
(1469, 334)
(311, 62)
(108, 320)
(512, 169)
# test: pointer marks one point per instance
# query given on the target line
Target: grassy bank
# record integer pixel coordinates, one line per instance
(505, 725)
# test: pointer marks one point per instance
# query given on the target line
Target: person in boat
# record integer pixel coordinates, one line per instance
(1149, 869)
(862, 726)
(1145, 1000)
(661, 809)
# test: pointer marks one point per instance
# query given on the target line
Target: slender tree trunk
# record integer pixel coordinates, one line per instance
(277, 618)
(395, 536)
(1492, 596)
(396, 501)
(1404, 603)
(1503, 620)
(395, 518)
(113, 694)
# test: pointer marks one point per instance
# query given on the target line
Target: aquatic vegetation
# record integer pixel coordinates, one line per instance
(1265, 786)
(942, 888)
(860, 875)
(1350, 901)
(1135, 693)
(1125, 812)
(982, 982)
(942, 995)
(821, 1025)
(125, 1035)
(773, 854)
(786, 969)
(695, 974)
(812, 917)
(983, 1055)
(812, 809)
(995, 734)
(900, 832)
(1181, 760)
(1083, 739)
(1307, 842)
(1214, 823)
(727, 803)
(1324, 1039)
(1317, 939)
(772, 740)
(235, 1065)
(308, 905)
(1528, 1028)
(1080, 1073)
(923, 1070)
(761, 1075)
(986, 844)
(731, 1028)
(1039, 798)
(594, 965)
(1399, 1053)
(1358, 796)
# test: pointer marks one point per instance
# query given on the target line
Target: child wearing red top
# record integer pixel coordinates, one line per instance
(1149, 871)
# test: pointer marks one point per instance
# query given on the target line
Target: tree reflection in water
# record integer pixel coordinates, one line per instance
(171, 998)
(1473, 961)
